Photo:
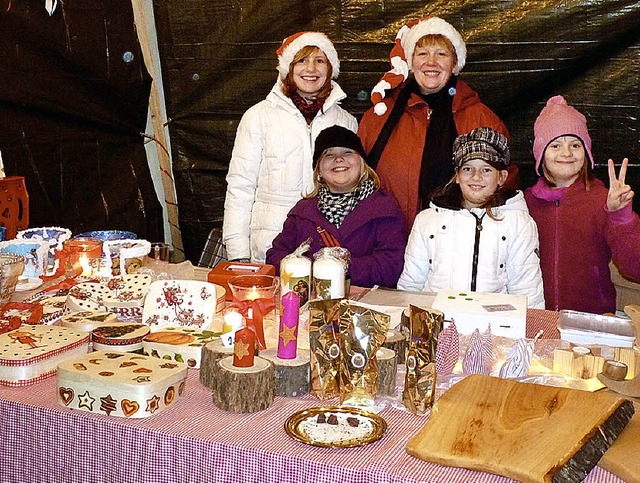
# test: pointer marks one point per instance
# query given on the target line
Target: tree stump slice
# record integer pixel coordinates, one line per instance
(387, 370)
(397, 342)
(212, 352)
(292, 375)
(244, 389)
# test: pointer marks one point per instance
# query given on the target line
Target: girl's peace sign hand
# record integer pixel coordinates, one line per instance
(620, 194)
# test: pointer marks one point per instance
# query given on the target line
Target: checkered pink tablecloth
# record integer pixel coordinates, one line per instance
(194, 441)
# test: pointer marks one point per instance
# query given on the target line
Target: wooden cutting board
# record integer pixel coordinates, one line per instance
(527, 432)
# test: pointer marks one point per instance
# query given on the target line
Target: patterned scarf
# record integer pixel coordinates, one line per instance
(308, 109)
(336, 206)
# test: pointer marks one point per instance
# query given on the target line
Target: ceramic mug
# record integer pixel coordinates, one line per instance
(34, 252)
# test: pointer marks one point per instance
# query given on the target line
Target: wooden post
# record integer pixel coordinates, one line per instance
(212, 352)
(387, 370)
(244, 389)
(292, 375)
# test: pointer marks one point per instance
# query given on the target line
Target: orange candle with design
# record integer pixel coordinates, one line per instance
(244, 348)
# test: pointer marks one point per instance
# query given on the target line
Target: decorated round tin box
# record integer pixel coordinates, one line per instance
(31, 353)
(119, 384)
(119, 336)
(87, 320)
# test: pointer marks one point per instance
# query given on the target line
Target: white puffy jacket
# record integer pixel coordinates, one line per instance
(271, 169)
(440, 252)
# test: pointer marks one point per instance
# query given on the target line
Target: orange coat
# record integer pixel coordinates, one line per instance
(400, 162)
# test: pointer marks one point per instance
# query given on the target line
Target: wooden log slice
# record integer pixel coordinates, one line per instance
(397, 342)
(244, 389)
(387, 370)
(212, 352)
(292, 375)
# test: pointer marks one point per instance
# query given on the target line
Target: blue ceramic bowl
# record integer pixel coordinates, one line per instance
(108, 235)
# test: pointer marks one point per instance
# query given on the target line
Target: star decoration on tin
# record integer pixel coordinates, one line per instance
(288, 334)
(153, 404)
(141, 379)
(241, 349)
(108, 404)
(86, 401)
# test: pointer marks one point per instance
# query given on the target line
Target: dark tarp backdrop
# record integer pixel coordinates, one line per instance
(74, 95)
(218, 59)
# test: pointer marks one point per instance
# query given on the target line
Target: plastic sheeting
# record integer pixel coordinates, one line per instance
(73, 101)
(219, 59)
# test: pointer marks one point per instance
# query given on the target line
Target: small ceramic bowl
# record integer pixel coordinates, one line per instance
(108, 235)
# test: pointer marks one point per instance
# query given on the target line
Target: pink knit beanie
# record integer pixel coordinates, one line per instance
(557, 119)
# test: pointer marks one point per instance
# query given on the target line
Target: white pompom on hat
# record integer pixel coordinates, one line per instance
(292, 45)
(402, 54)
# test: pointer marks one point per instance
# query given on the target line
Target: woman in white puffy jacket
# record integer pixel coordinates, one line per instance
(476, 235)
(271, 164)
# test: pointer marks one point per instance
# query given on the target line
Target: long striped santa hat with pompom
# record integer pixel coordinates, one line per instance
(406, 41)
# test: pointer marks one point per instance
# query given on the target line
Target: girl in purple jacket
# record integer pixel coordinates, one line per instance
(348, 209)
(582, 224)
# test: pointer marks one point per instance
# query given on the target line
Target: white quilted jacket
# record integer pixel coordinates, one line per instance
(440, 250)
(271, 169)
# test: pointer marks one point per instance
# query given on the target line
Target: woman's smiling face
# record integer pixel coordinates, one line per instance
(433, 64)
(310, 73)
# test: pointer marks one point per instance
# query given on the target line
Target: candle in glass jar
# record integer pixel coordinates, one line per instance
(328, 278)
(288, 335)
(244, 348)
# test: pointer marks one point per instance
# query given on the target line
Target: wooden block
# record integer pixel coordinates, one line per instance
(387, 370)
(212, 352)
(566, 362)
(592, 365)
(244, 389)
(397, 342)
(292, 375)
(622, 458)
(528, 432)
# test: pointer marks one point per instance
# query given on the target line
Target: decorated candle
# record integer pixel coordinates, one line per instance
(232, 321)
(288, 334)
(295, 275)
(328, 278)
(244, 348)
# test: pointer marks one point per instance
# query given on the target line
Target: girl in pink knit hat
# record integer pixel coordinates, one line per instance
(582, 224)
(272, 160)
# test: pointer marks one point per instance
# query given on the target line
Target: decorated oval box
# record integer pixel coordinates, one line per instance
(182, 344)
(31, 353)
(120, 384)
(123, 296)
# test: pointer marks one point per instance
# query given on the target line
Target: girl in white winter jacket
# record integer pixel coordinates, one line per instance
(476, 235)
(271, 164)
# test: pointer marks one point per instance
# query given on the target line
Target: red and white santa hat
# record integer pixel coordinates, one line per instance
(292, 45)
(402, 53)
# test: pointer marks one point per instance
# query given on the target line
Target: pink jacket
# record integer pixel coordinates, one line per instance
(578, 239)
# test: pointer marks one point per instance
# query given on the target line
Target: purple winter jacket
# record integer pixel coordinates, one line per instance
(374, 233)
(578, 239)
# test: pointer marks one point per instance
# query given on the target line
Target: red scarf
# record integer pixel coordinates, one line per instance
(308, 109)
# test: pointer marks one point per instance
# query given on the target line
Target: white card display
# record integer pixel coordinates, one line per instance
(506, 313)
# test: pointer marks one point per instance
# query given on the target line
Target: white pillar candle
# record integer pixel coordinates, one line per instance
(328, 278)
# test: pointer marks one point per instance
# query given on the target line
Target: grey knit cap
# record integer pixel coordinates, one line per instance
(482, 143)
